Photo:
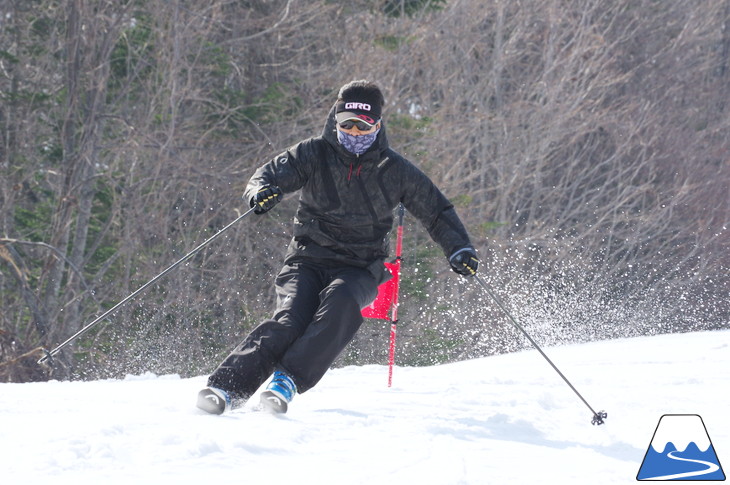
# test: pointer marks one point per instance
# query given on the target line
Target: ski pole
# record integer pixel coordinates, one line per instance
(48, 355)
(599, 416)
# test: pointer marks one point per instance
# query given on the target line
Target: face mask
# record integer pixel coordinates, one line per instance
(356, 144)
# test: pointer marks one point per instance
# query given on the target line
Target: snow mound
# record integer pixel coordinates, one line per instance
(502, 419)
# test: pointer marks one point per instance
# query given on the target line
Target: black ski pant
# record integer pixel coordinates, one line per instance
(317, 315)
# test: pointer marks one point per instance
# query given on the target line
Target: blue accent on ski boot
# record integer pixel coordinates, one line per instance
(279, 393)
(214, 401)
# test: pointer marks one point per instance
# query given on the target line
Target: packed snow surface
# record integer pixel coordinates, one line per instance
(507, 419)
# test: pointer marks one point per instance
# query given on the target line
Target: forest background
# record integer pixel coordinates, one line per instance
(585, 144)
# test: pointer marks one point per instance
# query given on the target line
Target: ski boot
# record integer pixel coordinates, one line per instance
(214, 401)
(278, 393)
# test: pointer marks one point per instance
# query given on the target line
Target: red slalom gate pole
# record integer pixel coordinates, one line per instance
(394, 308)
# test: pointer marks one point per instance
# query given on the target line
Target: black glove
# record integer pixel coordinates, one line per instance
(266, 198)
(464, 262)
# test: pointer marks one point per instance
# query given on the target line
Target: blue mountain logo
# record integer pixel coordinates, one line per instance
(681, 450)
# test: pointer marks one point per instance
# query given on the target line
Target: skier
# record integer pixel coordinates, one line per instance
(350, 182)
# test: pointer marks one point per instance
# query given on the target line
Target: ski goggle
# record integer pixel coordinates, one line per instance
(360, 125)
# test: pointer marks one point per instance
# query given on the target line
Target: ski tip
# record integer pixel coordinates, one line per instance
(598, 418)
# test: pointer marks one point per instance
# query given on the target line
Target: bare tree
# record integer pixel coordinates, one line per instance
(584, 143)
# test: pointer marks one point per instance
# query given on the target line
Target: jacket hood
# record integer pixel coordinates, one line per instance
(375, 153)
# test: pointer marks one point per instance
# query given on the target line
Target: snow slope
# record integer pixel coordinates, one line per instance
(507, 419)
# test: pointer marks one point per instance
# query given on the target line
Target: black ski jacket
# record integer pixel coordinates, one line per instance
(346, 203)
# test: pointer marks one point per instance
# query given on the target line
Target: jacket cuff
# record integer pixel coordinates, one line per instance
(456, 253)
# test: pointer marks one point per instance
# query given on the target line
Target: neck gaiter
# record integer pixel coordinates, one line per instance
(356, 144)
